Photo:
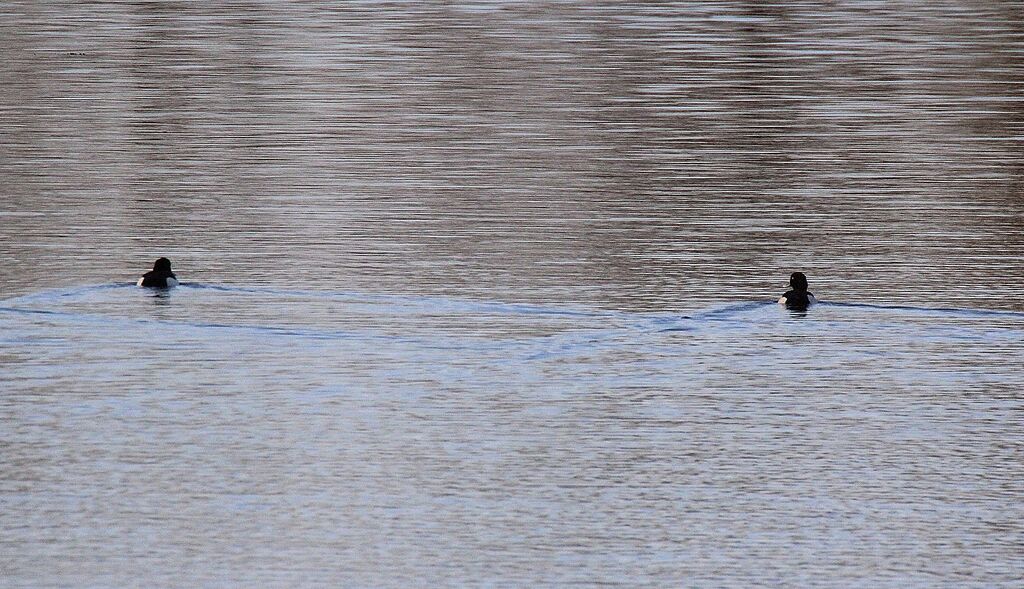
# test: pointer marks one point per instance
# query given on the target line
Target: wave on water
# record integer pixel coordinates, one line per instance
(305, 314)
(952, 311)
(58, 303)
(59, 294)
(435, 303)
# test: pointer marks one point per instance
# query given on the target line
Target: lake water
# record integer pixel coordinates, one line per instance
(482, 294)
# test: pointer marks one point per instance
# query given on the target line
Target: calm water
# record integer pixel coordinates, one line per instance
(480, 294)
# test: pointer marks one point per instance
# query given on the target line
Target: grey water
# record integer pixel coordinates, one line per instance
(481, 294)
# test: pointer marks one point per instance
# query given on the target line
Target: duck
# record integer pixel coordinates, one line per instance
(160, 276)
(798, 298)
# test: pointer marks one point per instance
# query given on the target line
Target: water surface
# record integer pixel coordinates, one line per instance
(481, 294)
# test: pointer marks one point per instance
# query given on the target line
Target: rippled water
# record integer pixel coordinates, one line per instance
(480, 294)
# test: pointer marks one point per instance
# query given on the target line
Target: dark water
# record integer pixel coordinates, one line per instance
(480, 294)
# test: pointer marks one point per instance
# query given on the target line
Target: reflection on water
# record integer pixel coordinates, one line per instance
(475, 293)
(623, 156)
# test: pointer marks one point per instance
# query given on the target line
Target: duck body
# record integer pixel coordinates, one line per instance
(798, 298)
(160, 276)
(158, 280)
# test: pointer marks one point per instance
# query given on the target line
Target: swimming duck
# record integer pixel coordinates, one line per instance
(799, 298)
(160, 276)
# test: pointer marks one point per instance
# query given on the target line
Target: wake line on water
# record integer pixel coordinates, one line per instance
(937, 310)
(57, 294)
(305, 333)
(436, 304)
(554, 345)
(729, 312)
